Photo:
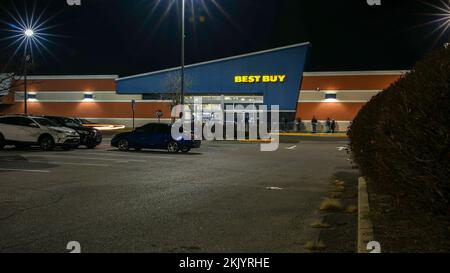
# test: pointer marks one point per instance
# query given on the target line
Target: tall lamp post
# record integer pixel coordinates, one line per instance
(29, 33)
(183, 11)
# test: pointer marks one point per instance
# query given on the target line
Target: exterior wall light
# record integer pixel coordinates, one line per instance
(32, 97)
(330, 96)
(89, 97)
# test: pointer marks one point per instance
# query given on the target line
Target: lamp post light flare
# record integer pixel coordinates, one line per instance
(29, 33)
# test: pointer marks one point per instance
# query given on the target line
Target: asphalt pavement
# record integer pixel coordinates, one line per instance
(224, 197)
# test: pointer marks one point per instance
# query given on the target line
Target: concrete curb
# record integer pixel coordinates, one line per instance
(365, 228)
(318, 135)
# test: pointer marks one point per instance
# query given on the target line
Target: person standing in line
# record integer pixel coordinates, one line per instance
(333, 126)
(328, 125)
(314, 123)
(299, 124)
(349, 129)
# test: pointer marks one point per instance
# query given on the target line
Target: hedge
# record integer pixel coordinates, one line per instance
(401, 138)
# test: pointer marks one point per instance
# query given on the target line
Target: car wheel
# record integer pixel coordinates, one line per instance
(123, 145)
(2, 142)
(173, 147)
(47, 143)
(185, 150)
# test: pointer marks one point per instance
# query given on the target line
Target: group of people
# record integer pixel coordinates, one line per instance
(330, 125)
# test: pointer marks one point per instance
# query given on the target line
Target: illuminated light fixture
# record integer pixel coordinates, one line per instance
(330, 97)
(88, 97)
(29, 33)
(31, 96)
(441, 19)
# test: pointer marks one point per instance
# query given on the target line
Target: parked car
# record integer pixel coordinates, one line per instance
(25, 131)
(89, 137)
(154, 136)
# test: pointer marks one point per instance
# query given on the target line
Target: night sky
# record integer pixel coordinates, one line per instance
(124, 37)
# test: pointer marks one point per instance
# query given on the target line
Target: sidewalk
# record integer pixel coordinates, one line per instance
(337, 135)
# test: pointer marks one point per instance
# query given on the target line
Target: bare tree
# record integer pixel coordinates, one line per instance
(9, 78)
(6, 82)
(172, 86)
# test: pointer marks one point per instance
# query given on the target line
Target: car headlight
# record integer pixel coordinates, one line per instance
(82, 132)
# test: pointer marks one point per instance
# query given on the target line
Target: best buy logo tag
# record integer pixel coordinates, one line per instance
(260, 79)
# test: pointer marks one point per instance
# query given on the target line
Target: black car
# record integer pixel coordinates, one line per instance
(155, 136)
(89, 137)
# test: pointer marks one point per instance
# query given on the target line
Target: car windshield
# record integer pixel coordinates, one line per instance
(46, 122)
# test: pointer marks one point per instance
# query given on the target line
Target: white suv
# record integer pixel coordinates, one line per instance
(24, 131)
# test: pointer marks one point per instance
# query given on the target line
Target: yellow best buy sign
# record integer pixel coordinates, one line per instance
(260, 79)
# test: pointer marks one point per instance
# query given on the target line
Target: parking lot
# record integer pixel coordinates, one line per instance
(224, 197)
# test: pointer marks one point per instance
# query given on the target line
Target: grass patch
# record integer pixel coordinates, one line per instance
(315, 246)
(330, 204)
(351, 209)
(320, 224)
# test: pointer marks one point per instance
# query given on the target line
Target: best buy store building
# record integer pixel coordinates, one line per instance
(272, 77)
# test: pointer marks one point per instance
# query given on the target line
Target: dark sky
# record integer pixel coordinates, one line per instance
(124, 37)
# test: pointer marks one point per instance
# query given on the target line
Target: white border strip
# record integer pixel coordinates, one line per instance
(215, 61)
(71, 92)
(356, 73)
(93, 101)
(341, 91)
(70, 77)
(333, 101)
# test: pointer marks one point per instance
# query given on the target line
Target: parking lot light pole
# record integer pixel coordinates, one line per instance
(29, 33)
(183, 11)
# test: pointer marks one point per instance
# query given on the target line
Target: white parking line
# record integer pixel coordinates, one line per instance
(21, 170)
(85, 158)
(126, 155)
(291, 148)
(70, 163)
(59, 163)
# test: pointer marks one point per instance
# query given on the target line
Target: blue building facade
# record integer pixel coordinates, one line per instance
(275, 74)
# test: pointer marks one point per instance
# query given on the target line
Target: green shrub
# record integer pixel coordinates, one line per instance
(401, 138)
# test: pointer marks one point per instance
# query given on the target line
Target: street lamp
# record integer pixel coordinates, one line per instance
(29, 33)
(183, 15)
